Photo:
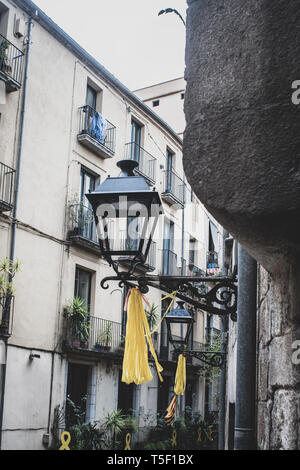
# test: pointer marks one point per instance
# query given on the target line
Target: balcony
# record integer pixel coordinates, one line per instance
(96, 133)
(146, 161)
(7, 187)
(170, 265)
(98, 335)
(82, 229)
(193, 270)
(212, 265)
(173, 189)
(123, 242)
(11, 65)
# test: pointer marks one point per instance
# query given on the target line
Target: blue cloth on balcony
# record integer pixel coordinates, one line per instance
(99, 127)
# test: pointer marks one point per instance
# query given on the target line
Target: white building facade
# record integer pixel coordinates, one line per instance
(50, 157)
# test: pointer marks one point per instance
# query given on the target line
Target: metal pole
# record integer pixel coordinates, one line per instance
(222, 382)
(244, 435)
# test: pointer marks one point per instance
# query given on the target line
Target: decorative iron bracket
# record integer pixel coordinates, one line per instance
(212, 358)
(220, 300)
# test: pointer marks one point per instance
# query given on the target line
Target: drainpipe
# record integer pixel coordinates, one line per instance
(244, 435)
(222, 381)
(14, 224)
(182, 273)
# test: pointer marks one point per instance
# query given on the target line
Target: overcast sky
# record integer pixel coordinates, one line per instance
(126, 36)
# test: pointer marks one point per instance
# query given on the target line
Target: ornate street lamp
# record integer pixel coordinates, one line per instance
(179, 326)
(126, 212)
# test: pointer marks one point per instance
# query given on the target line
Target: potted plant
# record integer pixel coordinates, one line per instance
(78, 316)
(4, 61)
(105, 337)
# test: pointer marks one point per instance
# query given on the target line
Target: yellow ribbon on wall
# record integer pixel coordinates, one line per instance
(174, 436)
(65, 439)
(135, 361)
(128, 440)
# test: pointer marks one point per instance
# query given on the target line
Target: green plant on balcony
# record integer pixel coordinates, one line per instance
(8, 270)
(105, 336)
(152, 316)
(79, 321)
(4, 61)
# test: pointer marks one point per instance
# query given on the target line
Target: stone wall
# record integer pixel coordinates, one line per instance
(241, 158)
(278, 383)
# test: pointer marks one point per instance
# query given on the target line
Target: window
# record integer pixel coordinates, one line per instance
(125, 396)
(182, 96)
(86, 221)
(136, 139)
(3, 19)
(91, 97)
(83, 283)
(192, 250)
(169, 261)
(170, 165)
(155, 103)
(77, 390)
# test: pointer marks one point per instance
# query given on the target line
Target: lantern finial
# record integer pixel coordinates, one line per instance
(127, 167)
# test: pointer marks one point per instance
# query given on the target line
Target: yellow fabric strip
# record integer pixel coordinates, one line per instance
(173, 294)
(180, 378)
(135, 362)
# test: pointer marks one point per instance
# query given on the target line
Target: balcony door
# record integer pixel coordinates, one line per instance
(91, 97)
(168, 247)
(136, 139)
(86, 222)
(83, 284)
(170, 165)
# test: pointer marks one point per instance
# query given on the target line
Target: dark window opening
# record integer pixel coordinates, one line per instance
(163, 396)
(77, 389)
(155, 103)
(231, 426)
(125, 396)
(182, 96)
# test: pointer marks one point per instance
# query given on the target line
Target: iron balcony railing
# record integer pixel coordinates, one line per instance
(212, 265)
(174, 186)
(81, 222)
(7, 187)
(146, 161)
(170, 265)
(101, 130)
(11, 62)
(6, 313)
(123, 243)
(195, 271)
(96, 334)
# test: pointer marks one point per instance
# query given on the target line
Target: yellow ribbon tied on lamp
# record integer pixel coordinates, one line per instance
(180, 377)
(135, 362)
